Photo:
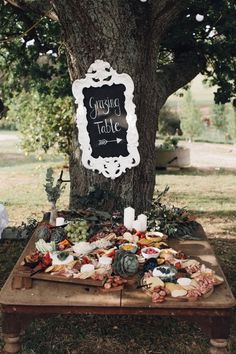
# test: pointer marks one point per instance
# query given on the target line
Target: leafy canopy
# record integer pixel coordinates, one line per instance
(44, 121)
(33, 59)
(207, 27)
(32, 52)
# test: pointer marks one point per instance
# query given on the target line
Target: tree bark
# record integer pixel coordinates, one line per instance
(127, 35)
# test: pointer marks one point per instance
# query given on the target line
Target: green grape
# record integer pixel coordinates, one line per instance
(77, 230)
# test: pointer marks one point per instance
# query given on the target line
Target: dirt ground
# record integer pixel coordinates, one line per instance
(205, 155)
(9, 137)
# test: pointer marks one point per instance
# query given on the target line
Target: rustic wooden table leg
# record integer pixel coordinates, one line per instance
(12, 343)
(13, 326)
(218, 346)
(220, 330)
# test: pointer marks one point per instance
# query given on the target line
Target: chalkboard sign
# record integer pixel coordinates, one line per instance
(107, 125)
(106, 120)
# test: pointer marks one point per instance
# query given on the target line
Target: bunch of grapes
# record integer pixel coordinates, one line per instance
(77, 231)
(119, 230)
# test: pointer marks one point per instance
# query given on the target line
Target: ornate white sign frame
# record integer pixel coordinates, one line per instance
(101, 73)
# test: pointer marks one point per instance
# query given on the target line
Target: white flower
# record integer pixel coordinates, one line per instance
(199, 18)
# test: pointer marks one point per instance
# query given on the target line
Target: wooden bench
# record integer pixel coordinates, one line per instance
(20, 306)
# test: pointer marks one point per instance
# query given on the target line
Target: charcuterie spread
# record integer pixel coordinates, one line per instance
(114, 257)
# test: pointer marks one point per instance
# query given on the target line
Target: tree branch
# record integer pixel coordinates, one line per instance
(37, 6)
(30, 33)
(164, 11)
(175, 75)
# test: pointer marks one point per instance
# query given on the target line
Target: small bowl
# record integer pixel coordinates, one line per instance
(150, 252)
(128, 247)
(57, 261)
(165, 273)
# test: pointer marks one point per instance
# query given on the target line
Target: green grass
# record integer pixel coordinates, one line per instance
(209, 195)
(214, 135)
(22, 179)
(22, 190)
(201, 190)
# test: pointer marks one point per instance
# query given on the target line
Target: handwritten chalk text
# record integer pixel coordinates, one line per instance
(104, 107)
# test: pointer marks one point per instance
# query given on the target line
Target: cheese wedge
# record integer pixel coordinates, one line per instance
(218, 280)
(179, 293)
(160, 261)
(189, 263)
(193, 285)
(176, 290)
(55, 268)
(153, 281)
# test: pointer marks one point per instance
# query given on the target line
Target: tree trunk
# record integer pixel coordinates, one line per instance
(121, 33)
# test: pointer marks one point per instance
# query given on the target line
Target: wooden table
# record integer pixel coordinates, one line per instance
(20, 306)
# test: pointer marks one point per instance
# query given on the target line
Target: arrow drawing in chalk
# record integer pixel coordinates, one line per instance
(104, 141)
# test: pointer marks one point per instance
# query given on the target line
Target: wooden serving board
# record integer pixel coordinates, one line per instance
(184, 298)
(112, 290)
(62, 279)
(22, 273)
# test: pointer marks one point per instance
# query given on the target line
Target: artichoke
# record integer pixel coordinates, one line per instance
(43, 232)
(58, 234)
(125, 264)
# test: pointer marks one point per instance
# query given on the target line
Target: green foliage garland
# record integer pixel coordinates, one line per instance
(171, 220)
(53, 192)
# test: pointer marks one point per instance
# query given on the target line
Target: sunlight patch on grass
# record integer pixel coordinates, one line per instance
(200, 193)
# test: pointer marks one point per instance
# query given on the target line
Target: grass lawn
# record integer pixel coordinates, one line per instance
(22, 181)
(209, 195)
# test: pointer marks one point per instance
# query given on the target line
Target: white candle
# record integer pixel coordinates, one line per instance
(143, 221)
(60, 221)
(136, 225)
(129, 217)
